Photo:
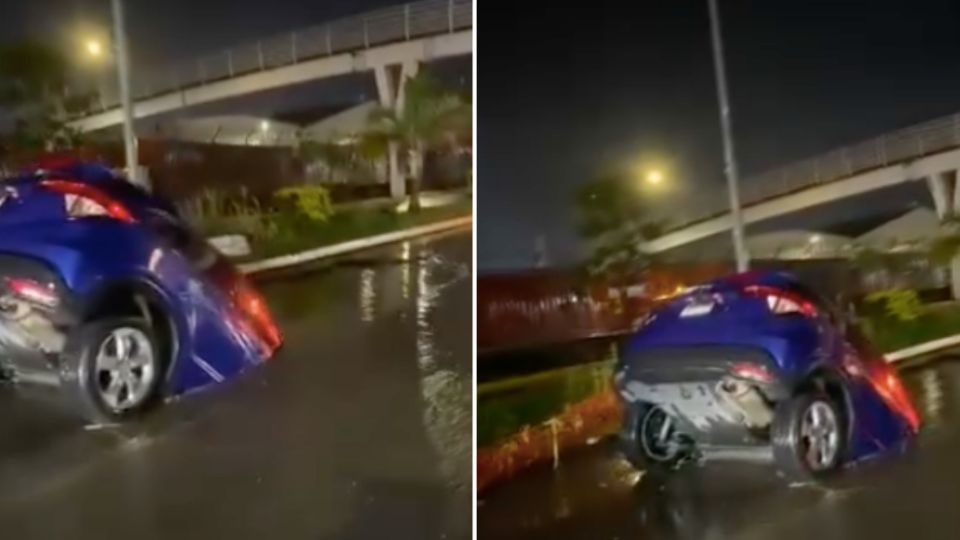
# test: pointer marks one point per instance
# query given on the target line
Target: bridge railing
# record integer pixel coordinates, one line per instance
(392, 24)
(895, 147)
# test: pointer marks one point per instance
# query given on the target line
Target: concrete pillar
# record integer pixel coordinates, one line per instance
(940, 189)
(946, 200)
(387, 94)
(391, 94)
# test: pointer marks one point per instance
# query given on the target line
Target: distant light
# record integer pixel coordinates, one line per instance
(264, 125)
(815, 238)
(654, 177)
(94, 48)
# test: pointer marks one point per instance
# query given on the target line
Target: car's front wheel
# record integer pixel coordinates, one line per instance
(808, 437)
(111, 369)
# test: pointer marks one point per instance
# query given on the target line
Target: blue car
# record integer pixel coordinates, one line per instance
(108, 296)
(757, 367)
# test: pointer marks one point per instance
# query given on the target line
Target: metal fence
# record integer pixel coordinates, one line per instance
(393, 24)
(899, 146)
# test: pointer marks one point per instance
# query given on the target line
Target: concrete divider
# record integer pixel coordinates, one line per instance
(315, 254)
(923, 348)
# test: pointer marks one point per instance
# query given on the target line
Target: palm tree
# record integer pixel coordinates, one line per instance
(430, 118)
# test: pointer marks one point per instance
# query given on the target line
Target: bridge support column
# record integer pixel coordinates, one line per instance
(942, 190)
(391, 84)
(946, 200)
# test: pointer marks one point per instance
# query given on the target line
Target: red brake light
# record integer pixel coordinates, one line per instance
(84, 200)
(782, 302)
(751, 371)
(32, 291)
(890, 387)
(252, 304)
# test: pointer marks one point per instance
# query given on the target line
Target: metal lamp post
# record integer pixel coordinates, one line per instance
(123, 77)
(729, 159)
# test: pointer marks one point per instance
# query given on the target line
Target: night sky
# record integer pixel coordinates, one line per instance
(565, 91)
(168, 30)
(163, 33)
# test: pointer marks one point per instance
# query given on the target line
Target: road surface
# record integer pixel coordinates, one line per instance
(594, 495)
(359, 429)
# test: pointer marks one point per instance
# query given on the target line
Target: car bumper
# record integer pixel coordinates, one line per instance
(37, 311)
(728, 416)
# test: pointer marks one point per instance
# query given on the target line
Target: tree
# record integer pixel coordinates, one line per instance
(33, 88)
(30, 72)
(611, 218)
(430, 118)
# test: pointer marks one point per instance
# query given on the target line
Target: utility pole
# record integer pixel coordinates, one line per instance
(126, 102)
(729, 159)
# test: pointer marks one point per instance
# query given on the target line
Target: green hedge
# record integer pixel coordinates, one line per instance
(889, 333)
(293, 232)
(505, 407)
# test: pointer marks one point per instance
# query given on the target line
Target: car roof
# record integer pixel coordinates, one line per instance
(68, 168)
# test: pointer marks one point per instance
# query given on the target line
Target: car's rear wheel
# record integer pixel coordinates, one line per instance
(650, 440)
(808, 437)
(111, 369)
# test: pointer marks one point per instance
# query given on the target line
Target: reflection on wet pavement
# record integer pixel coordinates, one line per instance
(359, 429)
(596, 495)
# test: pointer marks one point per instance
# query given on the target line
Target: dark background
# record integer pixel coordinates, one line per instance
(162, 31)
(565, 89)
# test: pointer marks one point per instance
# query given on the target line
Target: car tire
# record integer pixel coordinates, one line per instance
(111, 369)
(632, 447)
(808, 437)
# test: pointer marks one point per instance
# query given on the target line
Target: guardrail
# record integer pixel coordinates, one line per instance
(896, 147)
(393, 24)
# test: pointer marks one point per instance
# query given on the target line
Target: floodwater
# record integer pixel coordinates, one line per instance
(360, 428)
(595, 495)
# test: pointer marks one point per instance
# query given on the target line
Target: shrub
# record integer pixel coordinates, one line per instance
(215, 212)
(312, 202)
(902, 305)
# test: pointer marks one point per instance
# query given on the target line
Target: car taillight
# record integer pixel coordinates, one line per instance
(781, 302)
(888, 384)
(32, 291)
(751, 371)
(83, 200)
(252, 304)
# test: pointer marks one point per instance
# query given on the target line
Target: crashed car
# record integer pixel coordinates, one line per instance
(757, 367)
(109, 297)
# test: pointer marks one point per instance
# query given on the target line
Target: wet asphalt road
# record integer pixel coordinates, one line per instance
(361, 428)
(594, 495)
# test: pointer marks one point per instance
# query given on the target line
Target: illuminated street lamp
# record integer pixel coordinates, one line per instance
(94, 48)
(654, 177)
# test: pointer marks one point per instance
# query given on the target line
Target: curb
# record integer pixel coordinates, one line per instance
(311, 255)
(922, 348)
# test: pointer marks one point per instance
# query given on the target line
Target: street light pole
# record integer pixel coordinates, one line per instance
(730, 161)
(123, 76)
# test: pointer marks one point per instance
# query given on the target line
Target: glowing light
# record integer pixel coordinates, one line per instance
(94, 47)
(264, 125)
(815, 238)
(654, 177)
